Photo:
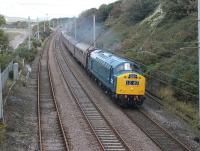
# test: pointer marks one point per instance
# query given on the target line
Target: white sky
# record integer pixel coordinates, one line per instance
(54, 8)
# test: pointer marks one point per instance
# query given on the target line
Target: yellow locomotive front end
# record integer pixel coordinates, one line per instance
(130, 88)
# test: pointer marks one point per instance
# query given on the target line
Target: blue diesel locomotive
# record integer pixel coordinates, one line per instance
(120, 77)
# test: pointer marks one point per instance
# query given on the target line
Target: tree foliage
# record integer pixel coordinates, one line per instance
(140, 9)
(2, 20)
(4, 43)
(179, 8)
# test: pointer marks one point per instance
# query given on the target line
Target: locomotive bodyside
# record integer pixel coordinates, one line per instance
(122, 78)
(118, 76)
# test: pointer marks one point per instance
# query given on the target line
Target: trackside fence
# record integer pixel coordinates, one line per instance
(5, 74)
(3, 78)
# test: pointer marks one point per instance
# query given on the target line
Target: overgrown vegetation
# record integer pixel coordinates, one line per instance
(23, 52)
(4, 43)
(161, 36)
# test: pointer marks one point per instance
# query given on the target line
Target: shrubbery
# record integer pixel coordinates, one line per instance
(179, 8)
(140, 9)
(23, 52)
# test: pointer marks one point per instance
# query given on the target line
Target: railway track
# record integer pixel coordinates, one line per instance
(50, 127)
(107, 136)
(163, 139)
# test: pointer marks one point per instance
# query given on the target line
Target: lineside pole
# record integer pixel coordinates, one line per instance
(199, 49)
(1, 100)
(38, 29)
(75, 28)
(29, 33)
(44, 25)
(48, 20)
(94, 30)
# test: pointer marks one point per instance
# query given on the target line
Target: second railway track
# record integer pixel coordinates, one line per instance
(51, 132)
(108, 138)
(164, 140)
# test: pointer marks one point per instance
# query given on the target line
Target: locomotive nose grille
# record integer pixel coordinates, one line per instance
(130, 84)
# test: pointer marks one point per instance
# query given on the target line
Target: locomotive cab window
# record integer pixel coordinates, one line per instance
(127, 67)
(123, 67)
(134, 67)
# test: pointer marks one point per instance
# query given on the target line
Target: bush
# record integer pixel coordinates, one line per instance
(178, 9)
(140, 10)
(36, 43)
(5, 59)
(28, 55)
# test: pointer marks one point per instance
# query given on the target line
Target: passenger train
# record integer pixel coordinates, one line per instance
(122, 78)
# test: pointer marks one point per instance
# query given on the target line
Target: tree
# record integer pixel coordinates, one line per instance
(140, 9)
(179, 8)
(2, 20)
(4, 43)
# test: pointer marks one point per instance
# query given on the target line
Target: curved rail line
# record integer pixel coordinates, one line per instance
(48, 107)
(161, 137)
(106, 134)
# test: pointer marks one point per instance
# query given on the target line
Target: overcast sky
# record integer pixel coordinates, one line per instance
(54, 8)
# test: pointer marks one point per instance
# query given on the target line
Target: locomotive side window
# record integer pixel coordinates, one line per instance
(134, 67)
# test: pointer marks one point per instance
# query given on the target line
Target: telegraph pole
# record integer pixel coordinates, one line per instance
(94, 30)
(199, 49)
(48, 20)
(1, 100)
(38, 29)
(75, 28)
(44, 25)
(29, 33)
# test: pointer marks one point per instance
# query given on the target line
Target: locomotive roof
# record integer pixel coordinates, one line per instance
(83, 46)
(109, 58)
(71, 39)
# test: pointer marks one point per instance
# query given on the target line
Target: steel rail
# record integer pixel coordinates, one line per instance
(40, 141)
(97, 108)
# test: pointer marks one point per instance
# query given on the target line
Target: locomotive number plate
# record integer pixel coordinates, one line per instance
(132, 83)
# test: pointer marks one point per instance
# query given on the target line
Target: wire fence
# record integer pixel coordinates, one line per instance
(5, 74)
